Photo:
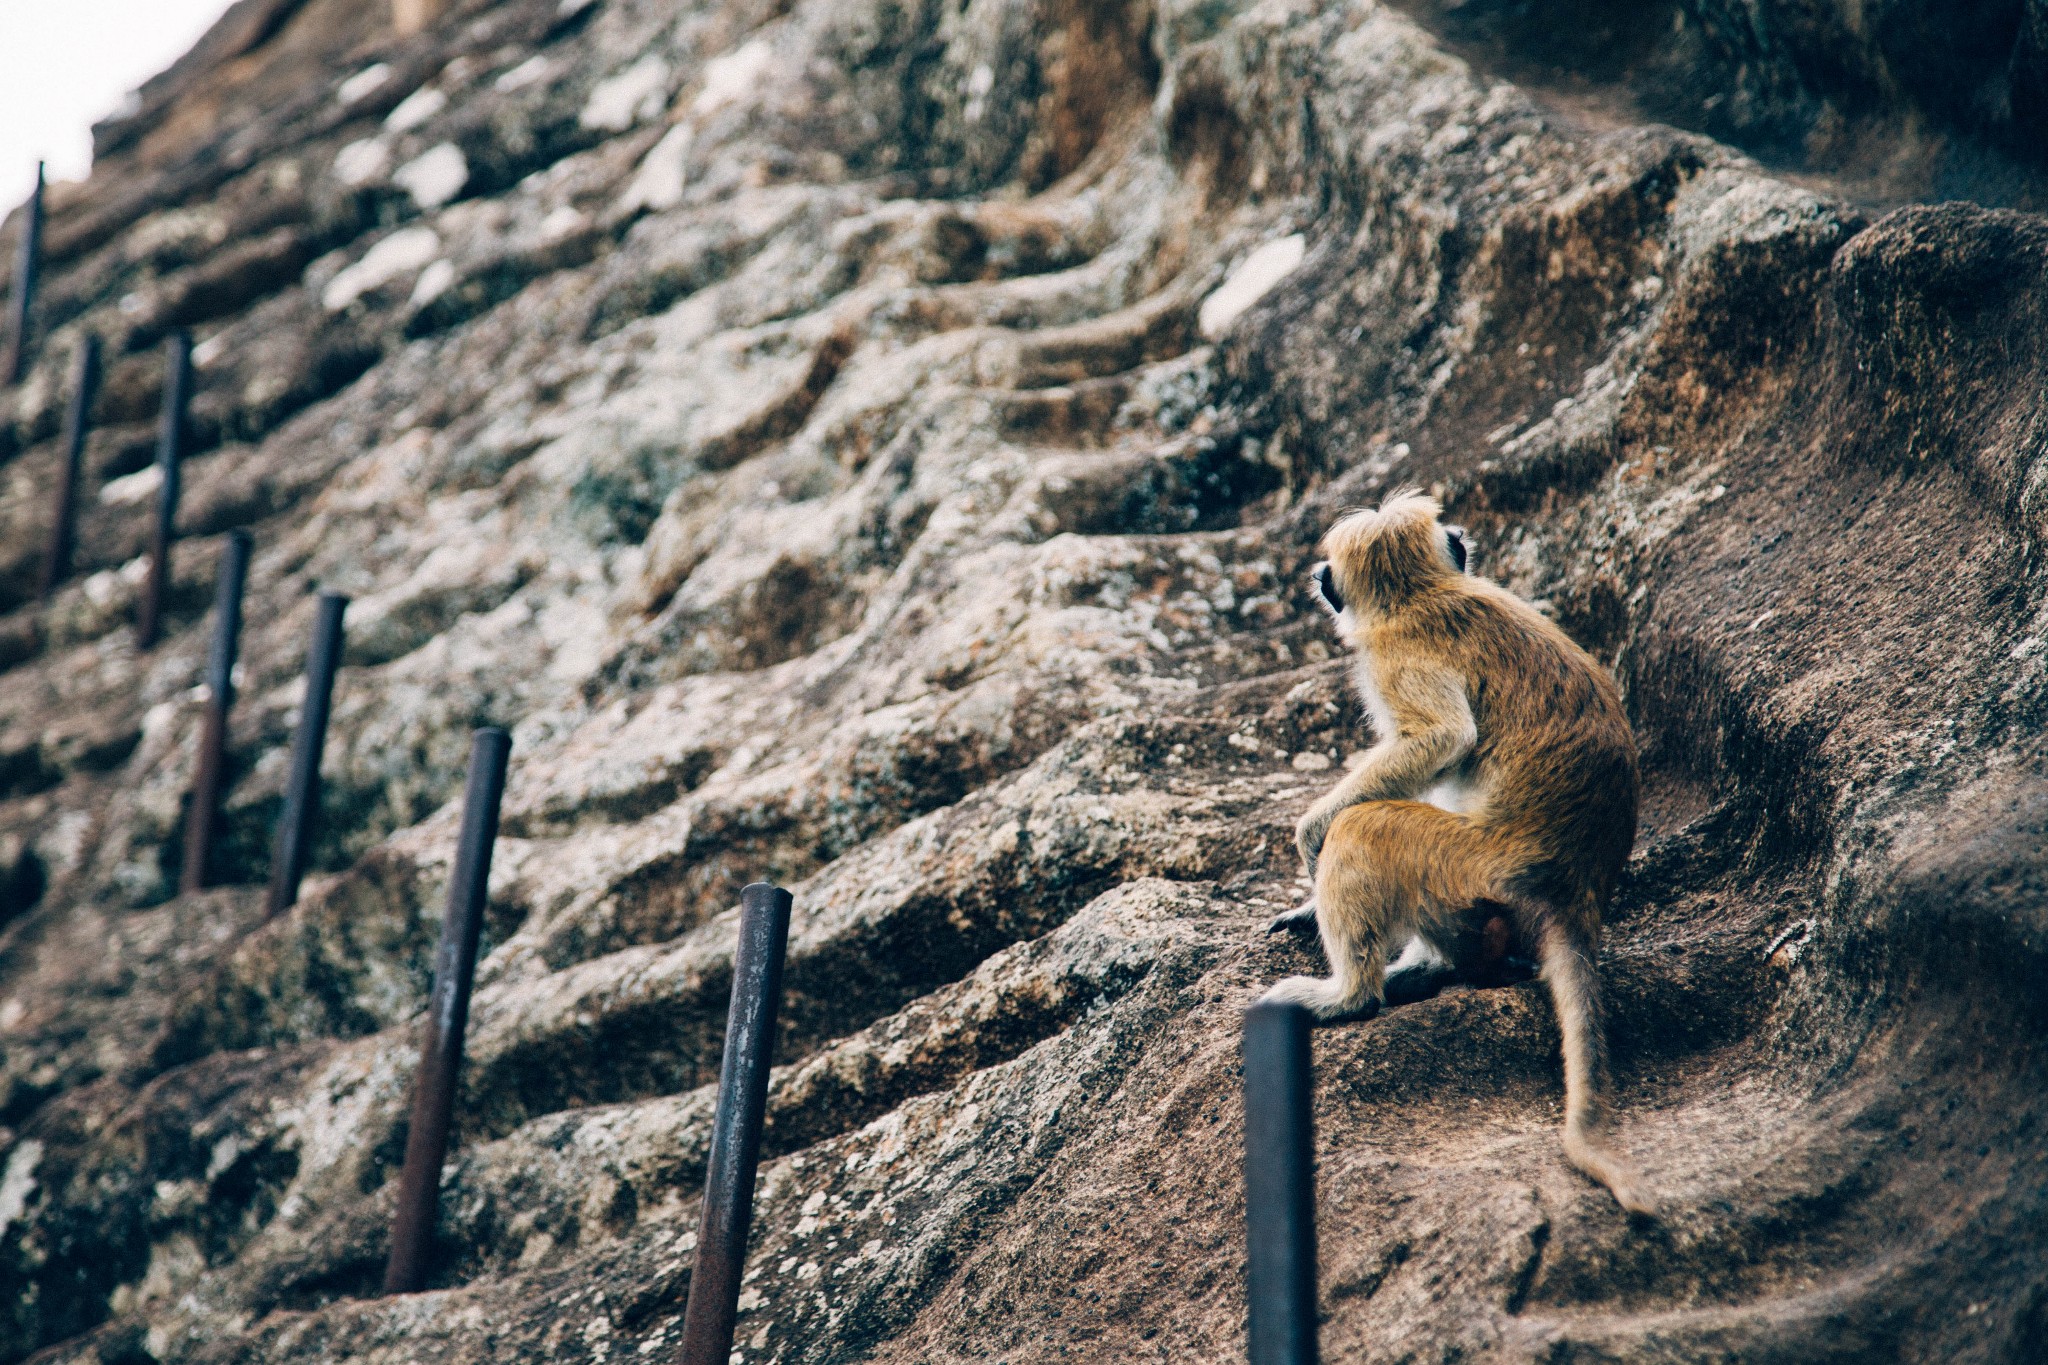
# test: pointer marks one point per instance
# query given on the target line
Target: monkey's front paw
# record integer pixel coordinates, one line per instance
(1300, 921)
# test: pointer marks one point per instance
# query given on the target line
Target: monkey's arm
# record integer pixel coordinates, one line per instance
(1433, 730)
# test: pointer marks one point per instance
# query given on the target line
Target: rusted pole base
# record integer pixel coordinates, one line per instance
(202, 818)
(433, 1093)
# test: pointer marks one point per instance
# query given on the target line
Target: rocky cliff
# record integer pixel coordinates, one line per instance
(877, 445)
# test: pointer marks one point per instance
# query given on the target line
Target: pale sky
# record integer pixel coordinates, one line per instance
(66, 63)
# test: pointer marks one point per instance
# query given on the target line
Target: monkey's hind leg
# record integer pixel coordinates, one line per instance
(1385, 867)
(1346, 994)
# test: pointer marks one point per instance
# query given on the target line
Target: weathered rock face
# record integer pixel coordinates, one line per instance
(877, 445)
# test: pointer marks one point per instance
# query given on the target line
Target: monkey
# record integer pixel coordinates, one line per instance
(1419, 971)
(1492, 816)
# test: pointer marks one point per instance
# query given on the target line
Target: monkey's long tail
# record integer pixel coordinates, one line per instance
(1575, 989)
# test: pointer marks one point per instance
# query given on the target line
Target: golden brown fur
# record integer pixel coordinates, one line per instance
(1480, 704)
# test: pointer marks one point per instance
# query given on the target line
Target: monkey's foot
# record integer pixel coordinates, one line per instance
(1323, 999)
(1354, 1016)
(1301, 921)
(1407, 985)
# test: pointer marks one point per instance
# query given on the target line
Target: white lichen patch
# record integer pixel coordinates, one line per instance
(730, 76)
(533, 69)
(433, 282)
(363, 84)
(1252, 279)
(435, 176)
(401, 253)
(415, 109)
(18, 1180)
(637, 93)
(362, 161)
(658, 184)
(132, 488)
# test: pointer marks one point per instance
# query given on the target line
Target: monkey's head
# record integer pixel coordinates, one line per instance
(1380, 559)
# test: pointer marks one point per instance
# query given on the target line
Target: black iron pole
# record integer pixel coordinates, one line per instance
(28, 262)
(170, 455)
(301, 819)
(433, 1094)
(736, 1126)
(1279, 1185)
(202, 818)
(85, 383)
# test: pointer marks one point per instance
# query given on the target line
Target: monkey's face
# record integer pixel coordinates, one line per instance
(1380, 558)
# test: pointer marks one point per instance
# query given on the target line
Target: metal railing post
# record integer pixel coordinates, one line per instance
(301, 818)
(433, 1094)
(713, 1305)
(1279, 1185)
(85, 383)
(203, 817)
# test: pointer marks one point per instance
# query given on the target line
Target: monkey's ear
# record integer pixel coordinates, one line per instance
(1454, 536)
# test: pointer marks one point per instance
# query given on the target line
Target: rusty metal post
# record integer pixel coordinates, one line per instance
(1279, 1185)
(433, 1093)
(202, 818)
(170, 455)
(301, 818)
(736, 1127)
(85, 383)
(28, 262)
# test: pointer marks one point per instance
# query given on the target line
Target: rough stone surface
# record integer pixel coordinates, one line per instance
(801, 424)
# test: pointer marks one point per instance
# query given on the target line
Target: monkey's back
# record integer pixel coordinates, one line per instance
(1555, 762)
